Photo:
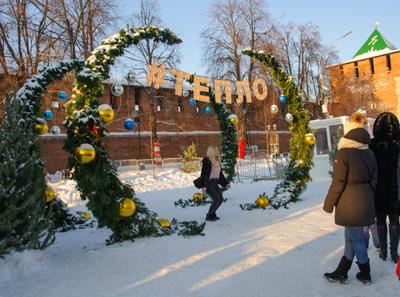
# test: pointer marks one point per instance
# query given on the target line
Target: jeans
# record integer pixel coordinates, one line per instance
(216, 195)
(354, 244)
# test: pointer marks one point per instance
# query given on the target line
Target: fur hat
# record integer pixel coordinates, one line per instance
(356, 120)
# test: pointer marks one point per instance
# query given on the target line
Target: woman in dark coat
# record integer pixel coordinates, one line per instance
(210, 179)
(385, 146)
(351, 194)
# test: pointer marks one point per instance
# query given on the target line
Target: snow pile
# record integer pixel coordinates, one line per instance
(23, 264)
(143, 181)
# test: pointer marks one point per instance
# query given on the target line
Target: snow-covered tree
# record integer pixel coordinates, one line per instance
(25, 222)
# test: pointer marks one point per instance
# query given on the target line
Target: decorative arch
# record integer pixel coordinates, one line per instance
(297, 172)
(98, 180)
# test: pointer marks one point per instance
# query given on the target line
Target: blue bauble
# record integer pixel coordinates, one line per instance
(129, 124)
(208, 109)
(48, 115)
(282, 99)
(192, 101)
(63, 95)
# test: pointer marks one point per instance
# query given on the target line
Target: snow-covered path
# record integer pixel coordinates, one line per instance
(246, 253)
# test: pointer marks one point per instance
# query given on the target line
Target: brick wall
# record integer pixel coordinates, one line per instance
(169, 119)
(122, 147)
(372, 84)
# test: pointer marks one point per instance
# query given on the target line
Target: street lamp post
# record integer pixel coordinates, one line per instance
(268, 129)
(132, 78)
(322, 86)
(137, 122)
(276, 139)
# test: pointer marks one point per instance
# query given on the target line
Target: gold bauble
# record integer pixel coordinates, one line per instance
(234, 121)
(262, 201)
(106, 113)
(85, 153)
(49, 194)
(127, 207)
(198, 197)
(164, 223)
(86, 215)
(41, 128)
(309, 139)
(300, 162)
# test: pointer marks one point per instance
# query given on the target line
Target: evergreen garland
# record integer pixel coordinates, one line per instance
(185, 228)
(63, 219)
(229, 141)
(98, 181)
(190, 228)
(250, 206)
(297, 172)
(191, 203)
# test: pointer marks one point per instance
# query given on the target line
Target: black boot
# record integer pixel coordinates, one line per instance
(394, 233)
(215, 217)
(340, 274)
(364, 275)
(382, 234)
(211, 217)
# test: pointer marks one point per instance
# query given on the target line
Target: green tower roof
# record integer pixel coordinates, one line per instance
(375, 42)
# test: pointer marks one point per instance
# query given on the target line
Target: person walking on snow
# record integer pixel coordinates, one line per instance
(351, 195)
(210, 179)
(385, 146)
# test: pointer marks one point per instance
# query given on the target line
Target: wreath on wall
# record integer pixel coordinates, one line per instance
(297, 172)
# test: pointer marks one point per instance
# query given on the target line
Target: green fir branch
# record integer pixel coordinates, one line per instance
(297, 172)
(229, 139)
(191, 203)
(98, 181)
(250, 206)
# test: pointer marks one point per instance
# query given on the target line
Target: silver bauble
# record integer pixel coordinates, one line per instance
(274, 109)
(117, 90)
(55, 130)
(289, 117)
(185, 93)
(131, 77)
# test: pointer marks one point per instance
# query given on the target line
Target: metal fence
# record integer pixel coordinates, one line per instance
(262, 169)
(144, 164)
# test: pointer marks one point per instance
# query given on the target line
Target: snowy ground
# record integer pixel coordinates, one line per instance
(246, 253)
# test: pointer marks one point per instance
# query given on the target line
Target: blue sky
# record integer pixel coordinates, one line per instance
(187, 19)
